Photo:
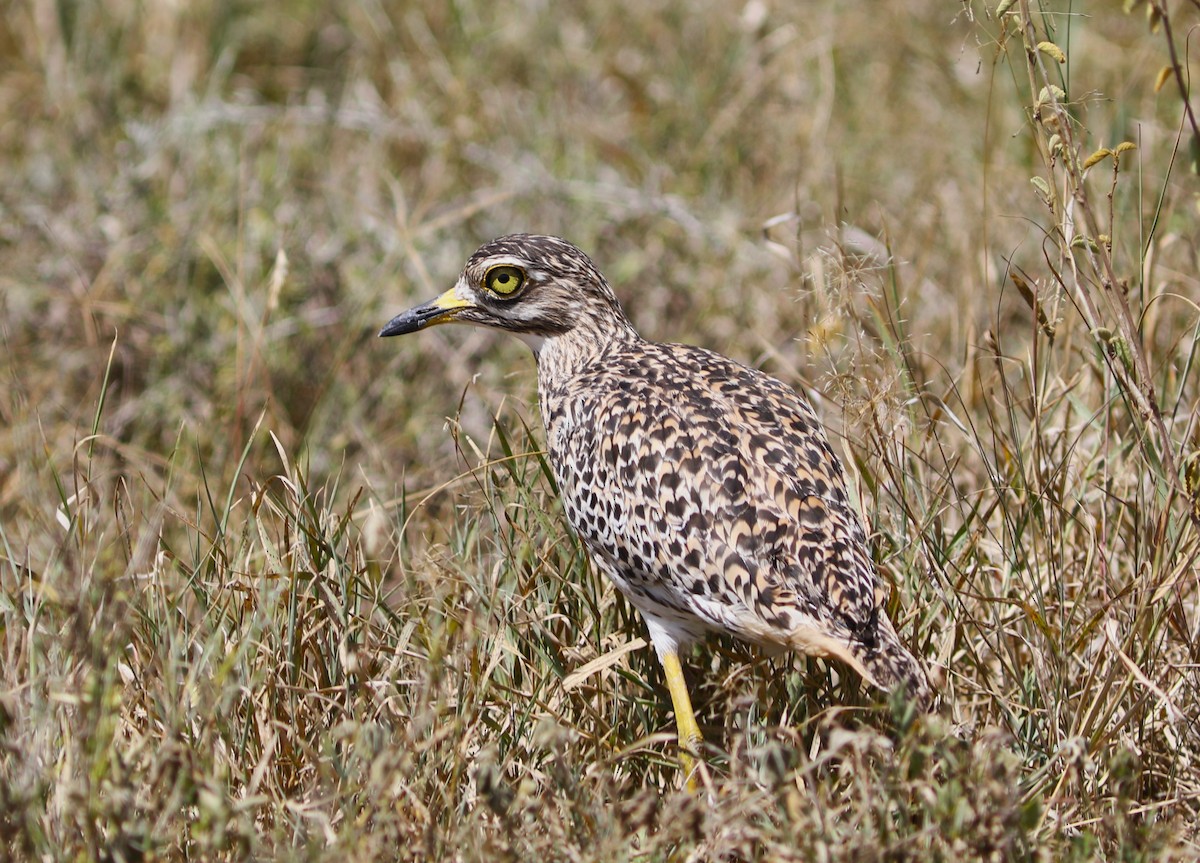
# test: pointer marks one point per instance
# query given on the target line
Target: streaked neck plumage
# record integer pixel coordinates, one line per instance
(562, 356)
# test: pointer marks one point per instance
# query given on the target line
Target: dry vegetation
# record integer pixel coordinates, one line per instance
(260, 600)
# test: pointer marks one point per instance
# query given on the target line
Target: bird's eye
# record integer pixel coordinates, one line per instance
(504, 281)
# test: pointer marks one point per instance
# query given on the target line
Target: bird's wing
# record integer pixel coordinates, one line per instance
(718, 495)
(812, 534)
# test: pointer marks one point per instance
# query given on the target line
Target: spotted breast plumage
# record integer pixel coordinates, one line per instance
(706, 490)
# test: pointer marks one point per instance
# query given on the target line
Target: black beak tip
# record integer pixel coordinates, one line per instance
(400, 325)
(417, 318)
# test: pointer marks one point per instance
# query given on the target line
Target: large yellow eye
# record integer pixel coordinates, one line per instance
(504, 281)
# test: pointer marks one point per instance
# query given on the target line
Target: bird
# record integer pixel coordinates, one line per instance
(704, 489)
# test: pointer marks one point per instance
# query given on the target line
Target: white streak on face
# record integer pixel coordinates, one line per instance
(526, 311)
(463, 291)
(535, 342)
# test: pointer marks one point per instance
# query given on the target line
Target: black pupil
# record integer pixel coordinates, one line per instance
(505, 281)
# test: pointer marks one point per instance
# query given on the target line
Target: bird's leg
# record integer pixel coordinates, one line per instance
(685, 719)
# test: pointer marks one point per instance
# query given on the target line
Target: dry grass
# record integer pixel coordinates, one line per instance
(258, 600)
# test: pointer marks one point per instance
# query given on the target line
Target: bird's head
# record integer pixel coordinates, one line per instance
(535, 287)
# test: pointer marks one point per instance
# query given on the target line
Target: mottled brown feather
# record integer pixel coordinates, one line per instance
(706, 490)
(708, 493)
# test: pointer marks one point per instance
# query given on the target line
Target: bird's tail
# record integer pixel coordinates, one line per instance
(873, 649)
(888, 664)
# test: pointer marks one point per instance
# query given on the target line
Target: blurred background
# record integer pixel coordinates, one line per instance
(233, 196)
(241, 194)
(207, 211)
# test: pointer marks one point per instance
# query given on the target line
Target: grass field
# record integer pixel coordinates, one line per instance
(272, 588)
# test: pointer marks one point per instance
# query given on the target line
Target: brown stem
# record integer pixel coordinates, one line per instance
(1177, 70)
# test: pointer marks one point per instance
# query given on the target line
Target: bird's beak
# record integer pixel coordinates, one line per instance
(444, 308)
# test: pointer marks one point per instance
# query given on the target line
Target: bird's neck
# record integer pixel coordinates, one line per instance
(561, 357)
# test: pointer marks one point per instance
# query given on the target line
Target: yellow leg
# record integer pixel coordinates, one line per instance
(685, 718)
